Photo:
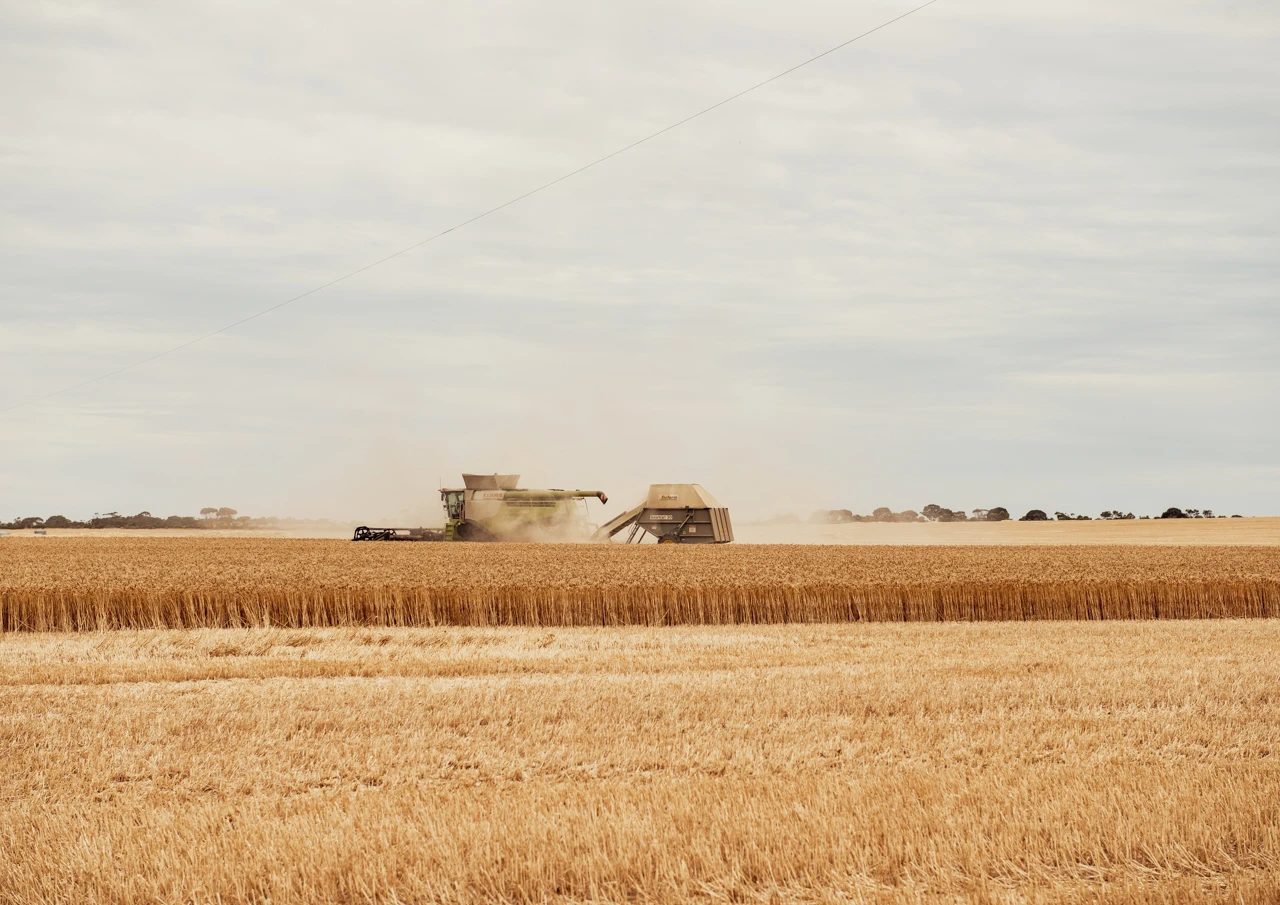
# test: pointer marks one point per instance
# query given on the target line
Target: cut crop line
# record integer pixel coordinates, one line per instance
(469, 221)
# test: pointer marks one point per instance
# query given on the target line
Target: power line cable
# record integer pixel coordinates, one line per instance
(469, 221)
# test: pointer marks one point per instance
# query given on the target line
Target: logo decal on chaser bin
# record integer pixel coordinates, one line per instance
(660, 517)
(669, 496)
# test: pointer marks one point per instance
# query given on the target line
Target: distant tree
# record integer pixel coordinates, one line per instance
(1062, 516)
(882, 514)
(1035, 515)
(143, 514)
(32, 521)
(1173, 512)
(1208, 513)
(932, 512)
(209, 511)
(226, 512)
(1107, 513)
(980, 515)
(998, 514)
(906, 515)
(57, 521)
(1191, 513)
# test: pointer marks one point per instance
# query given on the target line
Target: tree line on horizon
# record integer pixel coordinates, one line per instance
(210, 517)
(931, 513)
(225, 517)
(1039, 515)
(936, 513)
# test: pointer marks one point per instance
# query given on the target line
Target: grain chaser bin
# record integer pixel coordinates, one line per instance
(673, 514)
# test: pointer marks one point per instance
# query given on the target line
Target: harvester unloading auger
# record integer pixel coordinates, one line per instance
(494, 508)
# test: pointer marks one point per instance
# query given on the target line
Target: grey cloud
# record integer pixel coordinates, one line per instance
(996, 254)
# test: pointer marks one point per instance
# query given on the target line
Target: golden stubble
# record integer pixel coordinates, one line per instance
(67, 584)
(1124, 762)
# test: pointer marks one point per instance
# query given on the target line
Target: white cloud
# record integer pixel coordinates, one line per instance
(997, 252)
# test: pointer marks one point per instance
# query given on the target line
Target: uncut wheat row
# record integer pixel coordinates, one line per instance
(79, 584)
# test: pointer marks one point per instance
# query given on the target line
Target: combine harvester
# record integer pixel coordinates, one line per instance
(494, 508)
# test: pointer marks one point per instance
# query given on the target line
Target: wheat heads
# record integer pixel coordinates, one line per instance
(79, 584)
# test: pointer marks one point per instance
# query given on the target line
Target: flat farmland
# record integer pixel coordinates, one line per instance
(1196, 532)
(251, 720)
(90, 583)
(1014, 762)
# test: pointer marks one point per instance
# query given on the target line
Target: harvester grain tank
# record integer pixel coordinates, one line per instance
(673, 514)
(493, 507)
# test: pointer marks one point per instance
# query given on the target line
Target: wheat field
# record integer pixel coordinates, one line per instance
(78, 583)
(1122, 762)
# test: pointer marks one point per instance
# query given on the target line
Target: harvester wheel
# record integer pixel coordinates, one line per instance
(666, 540)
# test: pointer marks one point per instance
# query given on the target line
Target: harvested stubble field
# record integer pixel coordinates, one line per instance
(1125, 762)
(79, 583)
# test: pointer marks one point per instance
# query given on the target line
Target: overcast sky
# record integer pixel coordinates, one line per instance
(999, 253)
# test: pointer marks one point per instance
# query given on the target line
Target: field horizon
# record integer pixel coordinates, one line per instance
(1250, 530)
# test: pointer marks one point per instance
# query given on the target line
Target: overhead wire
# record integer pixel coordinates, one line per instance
(480, 216)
